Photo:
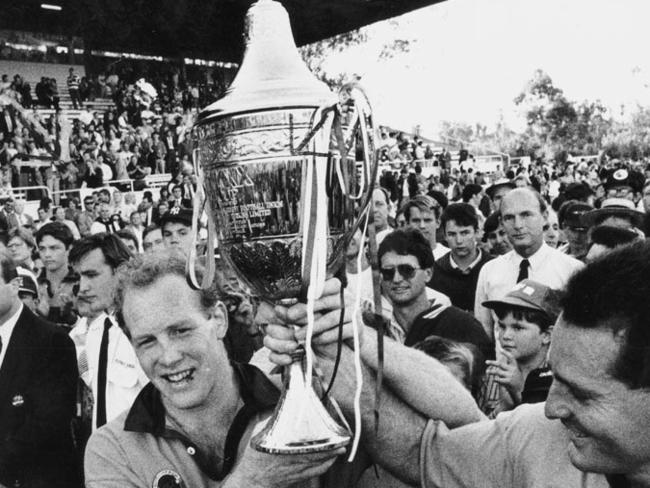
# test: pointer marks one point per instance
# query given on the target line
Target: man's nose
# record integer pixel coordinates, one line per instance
(556, 406)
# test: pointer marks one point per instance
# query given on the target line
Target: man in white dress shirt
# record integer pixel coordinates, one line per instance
(114, 375)
(523, 215)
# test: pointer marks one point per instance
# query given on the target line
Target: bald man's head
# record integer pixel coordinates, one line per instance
(523, 213)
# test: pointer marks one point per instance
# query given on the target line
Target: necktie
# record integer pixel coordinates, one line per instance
(523, 270)
(101, 375)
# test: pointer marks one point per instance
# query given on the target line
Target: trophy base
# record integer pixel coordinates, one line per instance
(301, 447)
(300, 423)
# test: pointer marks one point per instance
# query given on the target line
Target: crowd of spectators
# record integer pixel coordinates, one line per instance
(471, 262)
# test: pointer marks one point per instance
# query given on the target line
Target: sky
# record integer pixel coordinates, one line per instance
(470, 58)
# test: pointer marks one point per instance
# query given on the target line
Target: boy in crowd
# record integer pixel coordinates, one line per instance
(520, 373)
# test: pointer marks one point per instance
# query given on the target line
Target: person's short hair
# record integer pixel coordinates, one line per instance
(385, 192)
(423, 203)
(149, 229)
(537, 317)
(462, 354)
(407, 242)
(612, 292)
(56, 230)
(23, 234)
(128, 235)
(144, 270)
(611, 237)
(461, 213)
(7, 268)
(114, 250)
(470, 190)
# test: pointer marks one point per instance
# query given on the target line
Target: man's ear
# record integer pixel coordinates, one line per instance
(220, 316)
(429, 273)
(15, 284)
(546, 336)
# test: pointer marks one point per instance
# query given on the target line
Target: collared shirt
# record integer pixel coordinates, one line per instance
(548, 266)
(439, 251)
(124, 376)
(140, 447)
(6, 330)
(437, 301)
(452, 263)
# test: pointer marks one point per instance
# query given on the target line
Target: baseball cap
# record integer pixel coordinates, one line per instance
(572, 213)
(615, 207)
(177, 214)
(27, 281)
(532, 295)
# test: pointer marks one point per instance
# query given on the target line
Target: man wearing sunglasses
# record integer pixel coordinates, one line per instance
(406, 266)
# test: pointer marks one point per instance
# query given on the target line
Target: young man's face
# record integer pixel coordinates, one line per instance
(176, 234)
(177, 342)
(461, 239)
(425, 221)
(53, 253)
(524, 340)
(400, 289)
(380, 209)
(96, 281)
(153, 241)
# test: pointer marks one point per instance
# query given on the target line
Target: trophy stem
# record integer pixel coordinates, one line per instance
(300, 423)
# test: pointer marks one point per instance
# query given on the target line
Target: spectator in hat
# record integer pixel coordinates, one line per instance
(580, 192)
(621, 183)
(574, 225)
(176, 227)
(616, 212)
(526, 316)
(495, 236)
(605, 238)
(497, 190)
(28, 289)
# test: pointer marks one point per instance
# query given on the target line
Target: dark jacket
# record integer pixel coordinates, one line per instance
(450, 323)
(38, 381)
(458, 286)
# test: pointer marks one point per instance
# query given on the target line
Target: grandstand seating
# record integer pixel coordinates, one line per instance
(32, 73)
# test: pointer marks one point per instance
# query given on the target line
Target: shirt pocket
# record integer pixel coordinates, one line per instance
(123, 373)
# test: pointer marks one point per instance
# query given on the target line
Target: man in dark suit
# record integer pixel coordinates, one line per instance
(38, 374)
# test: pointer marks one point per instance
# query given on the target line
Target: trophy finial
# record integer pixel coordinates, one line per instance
(272, 74)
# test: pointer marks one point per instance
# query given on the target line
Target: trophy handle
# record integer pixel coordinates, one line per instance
(199, 204)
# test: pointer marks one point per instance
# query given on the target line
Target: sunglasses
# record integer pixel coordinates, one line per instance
(406, 271)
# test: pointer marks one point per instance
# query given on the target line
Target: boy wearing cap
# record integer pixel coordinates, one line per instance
(520, 374)
(176, 225)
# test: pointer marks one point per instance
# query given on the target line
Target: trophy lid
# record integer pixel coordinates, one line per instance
(272, 74)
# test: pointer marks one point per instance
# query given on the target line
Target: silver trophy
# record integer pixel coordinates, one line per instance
(286, 193)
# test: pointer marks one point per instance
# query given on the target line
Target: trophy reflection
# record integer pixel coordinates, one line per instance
(285, 203)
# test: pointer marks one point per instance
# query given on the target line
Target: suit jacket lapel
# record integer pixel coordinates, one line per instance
(16, 354)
